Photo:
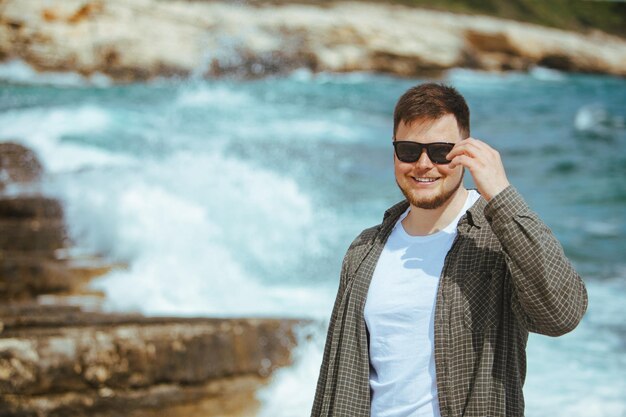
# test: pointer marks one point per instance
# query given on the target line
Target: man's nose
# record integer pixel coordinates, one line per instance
(424, 161)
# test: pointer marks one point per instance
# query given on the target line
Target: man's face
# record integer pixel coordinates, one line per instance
(425, 184)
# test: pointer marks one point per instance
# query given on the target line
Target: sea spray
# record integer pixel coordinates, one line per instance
(293, 388)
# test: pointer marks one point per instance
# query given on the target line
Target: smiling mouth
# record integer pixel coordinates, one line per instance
(422, 180)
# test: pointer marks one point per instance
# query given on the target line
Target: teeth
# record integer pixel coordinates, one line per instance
(425, 179)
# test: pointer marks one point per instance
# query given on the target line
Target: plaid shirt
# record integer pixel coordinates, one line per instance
(504, 276)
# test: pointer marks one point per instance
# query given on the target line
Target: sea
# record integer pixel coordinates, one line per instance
(239, 197)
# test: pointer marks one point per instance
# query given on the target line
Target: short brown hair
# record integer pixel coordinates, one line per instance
(430, 101)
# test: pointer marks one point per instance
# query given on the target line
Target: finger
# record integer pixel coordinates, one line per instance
(458, 150)
(474, 148)
(466, 148)
(474, 144)
(463, 160)
(483, 146)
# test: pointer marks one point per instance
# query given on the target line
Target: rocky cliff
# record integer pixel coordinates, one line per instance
(61, 356)
(138, 39)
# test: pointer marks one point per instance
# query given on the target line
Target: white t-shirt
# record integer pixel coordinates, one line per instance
(399, 313)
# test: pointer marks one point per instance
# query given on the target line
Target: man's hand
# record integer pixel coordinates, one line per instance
(484, 164)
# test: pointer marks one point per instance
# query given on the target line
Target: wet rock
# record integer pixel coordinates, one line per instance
(29, 207)
(27, 276)
(33, 235)
(18, 164)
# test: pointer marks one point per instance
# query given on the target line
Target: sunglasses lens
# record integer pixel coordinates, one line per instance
(411, 151)
(437, 152)
(408, 151)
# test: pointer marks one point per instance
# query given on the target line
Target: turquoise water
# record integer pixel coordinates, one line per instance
(239, 198)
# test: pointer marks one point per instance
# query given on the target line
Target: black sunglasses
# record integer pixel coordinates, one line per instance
(408, 151)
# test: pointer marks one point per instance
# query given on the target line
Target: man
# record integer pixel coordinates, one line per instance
(435, 303)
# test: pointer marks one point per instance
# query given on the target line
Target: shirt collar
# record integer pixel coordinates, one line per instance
(473, 217)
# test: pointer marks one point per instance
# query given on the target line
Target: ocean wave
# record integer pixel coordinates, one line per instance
(201, 95)
(290, 392)
(596, 119)
(469, 77)
(547, 74)
(184, 227)
(43, 130)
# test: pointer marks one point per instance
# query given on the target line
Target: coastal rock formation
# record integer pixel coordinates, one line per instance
(33, 237)
(62, 359)
(138, 39)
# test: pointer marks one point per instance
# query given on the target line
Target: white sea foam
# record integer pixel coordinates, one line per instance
(55, 122)
(606, 227)
(201, 95)
(304, 75)
(547, 74)
(602, 228)
(595, 118)
(291, 390)
(43, 131)
(184, 227)
(468, 77)
(589, 117)
(19, 72)
(356, 77)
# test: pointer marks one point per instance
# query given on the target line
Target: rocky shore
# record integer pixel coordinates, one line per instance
(60, 355)
(132, 40)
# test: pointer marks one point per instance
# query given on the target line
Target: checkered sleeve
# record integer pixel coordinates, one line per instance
(548, 296)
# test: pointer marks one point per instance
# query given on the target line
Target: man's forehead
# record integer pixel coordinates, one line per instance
(424, 123)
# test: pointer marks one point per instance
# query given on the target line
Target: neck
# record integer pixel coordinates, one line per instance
(422, 222)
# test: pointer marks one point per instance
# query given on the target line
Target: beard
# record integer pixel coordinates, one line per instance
(430, 203)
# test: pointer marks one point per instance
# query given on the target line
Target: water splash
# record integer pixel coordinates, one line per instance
(596, 119)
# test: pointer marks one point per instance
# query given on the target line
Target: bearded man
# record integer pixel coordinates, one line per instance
(435, 303)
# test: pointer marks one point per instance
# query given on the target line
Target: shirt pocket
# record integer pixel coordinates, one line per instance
(481, 303)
